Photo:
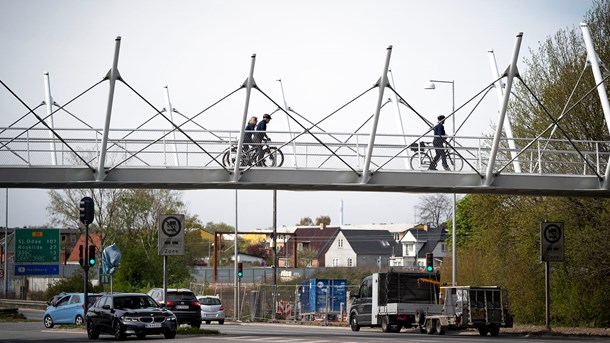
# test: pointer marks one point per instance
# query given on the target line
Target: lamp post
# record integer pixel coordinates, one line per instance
(432, 85)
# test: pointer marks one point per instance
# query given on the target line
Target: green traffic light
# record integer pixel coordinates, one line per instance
(92, 261)
(429, 268)
(240, 274)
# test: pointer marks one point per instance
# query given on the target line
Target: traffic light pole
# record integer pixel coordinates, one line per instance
(86, 267)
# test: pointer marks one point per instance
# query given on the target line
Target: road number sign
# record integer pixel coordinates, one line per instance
(551, 242)
(171, 235)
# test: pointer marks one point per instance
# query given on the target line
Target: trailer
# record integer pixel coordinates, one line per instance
(321, 298)
(483, 308)
(394, 300)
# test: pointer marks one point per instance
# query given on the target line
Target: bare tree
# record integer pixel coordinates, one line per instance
(323, 220)
(305, 221)
(434, 209)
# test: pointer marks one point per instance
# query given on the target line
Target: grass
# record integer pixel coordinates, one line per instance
(188, 330)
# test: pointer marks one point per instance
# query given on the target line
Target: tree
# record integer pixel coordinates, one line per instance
(503, 245)
(305, 221)
(434, 209)
(323, 220)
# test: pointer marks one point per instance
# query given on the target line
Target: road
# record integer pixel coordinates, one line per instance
(270, 333)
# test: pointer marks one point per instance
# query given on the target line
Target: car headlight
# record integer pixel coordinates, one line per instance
(170, 317)
(129, 319)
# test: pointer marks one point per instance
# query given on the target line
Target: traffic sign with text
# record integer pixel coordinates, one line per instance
(171, 235)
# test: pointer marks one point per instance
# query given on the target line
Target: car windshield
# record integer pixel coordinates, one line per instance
(209, 301)
(134, 302)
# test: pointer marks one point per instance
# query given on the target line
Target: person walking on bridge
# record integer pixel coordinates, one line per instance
(249, 131)
(259, 136)
(439, 142)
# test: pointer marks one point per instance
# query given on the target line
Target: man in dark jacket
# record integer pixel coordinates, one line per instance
(260, 135)
(439, 142)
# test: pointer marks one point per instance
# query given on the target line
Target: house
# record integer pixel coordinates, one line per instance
(311, 242)
(419, 241)
(361, 248)
(396, 230)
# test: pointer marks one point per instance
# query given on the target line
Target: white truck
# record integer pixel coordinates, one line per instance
(394, 300)
(484, 308)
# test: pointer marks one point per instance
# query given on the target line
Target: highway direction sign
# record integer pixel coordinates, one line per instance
(37, 246)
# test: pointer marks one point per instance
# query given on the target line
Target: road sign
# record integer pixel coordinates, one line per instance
(37, 246)
(37, 269)
(171, 235)
(551, 242)
(105, 278)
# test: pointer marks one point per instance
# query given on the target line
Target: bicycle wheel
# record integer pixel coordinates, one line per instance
(456, 163)
(228, 159)
(273, 157)
(420, 161)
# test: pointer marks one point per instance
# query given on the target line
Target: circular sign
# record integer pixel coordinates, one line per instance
(552, 233)
(171, 226)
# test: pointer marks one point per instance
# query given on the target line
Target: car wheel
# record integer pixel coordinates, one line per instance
(483, 331)
(141, 335)
(353, 323)
(385, 324)
(494, 330)
(196, 325)
(119, 335)
(79, 320)
(169, 334)
(92, 333)
(430, 327)
(440, 329)
(48, 322)
(208, 322)
(221, 321)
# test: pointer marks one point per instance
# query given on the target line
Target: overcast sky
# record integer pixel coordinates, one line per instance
(325, 52)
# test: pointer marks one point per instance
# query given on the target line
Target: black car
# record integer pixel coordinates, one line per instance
(123, 314)
(182, 302)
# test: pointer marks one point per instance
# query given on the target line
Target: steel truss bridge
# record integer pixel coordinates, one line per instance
(185, 155)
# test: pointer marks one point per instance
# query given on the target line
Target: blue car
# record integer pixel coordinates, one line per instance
(67, 308)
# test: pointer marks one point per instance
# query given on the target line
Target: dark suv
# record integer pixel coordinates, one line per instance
(182, 302)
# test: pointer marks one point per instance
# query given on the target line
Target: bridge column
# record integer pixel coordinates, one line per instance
(512, 71)
(508, 128)
(113, 75)
(383, 82)
(249, 84)
(170, 111)
(601, 89)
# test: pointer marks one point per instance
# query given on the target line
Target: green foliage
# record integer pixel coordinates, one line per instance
(323, 220)
(72, 284)
(305, 221)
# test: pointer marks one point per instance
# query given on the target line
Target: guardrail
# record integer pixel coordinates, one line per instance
(37, 304)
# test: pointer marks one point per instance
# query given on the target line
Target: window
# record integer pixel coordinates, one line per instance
(349, 262)
(75, 299)
(335, 262)
(340, 243)
(299, 246)
(443, 247)
(410, 247)
(73, 238)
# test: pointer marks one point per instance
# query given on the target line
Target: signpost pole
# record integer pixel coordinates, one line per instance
(547, 298)
(6, 250)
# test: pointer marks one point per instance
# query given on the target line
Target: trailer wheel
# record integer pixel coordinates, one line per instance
(353, 323)
(430, 329)
(385, 324)
(483, 330)
(440, 329)
(494, 330)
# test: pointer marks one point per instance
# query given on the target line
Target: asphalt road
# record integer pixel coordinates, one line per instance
(272, 333)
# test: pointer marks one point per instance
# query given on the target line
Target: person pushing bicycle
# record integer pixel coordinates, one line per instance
(249, 132)
(259, 136)
(439, 142)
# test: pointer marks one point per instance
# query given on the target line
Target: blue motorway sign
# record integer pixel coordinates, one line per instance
(37, 269)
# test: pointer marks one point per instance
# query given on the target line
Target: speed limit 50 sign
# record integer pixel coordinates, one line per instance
(551, 242)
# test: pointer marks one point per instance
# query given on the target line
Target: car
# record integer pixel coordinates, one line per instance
(212, 309)
(182, 302)
(67, 308)
(124, 314)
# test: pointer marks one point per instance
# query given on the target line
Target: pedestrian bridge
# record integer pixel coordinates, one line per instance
(183, 154)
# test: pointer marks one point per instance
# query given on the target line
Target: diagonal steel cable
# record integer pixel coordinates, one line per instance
(176, 127)
(42, 120)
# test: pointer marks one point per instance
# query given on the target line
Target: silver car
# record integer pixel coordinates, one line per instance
(212, 309)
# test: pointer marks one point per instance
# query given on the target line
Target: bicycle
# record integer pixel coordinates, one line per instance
(272, 156)
(421, 159)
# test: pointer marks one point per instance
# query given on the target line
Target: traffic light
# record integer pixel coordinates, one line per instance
(429, 262)
(240, 270)
(91, 255)
(81, 258)
(86, 210)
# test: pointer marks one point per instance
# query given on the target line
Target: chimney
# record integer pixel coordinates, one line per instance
(322, 226)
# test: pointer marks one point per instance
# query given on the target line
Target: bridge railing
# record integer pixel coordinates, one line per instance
(317, 149)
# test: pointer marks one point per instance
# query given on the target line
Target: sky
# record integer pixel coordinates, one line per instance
(325, 52)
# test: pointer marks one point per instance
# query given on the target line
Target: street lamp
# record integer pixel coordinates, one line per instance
(432, 86)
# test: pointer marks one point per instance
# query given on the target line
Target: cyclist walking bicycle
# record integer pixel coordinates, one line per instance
(249, 132)
(439, 142)
(259, 136)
